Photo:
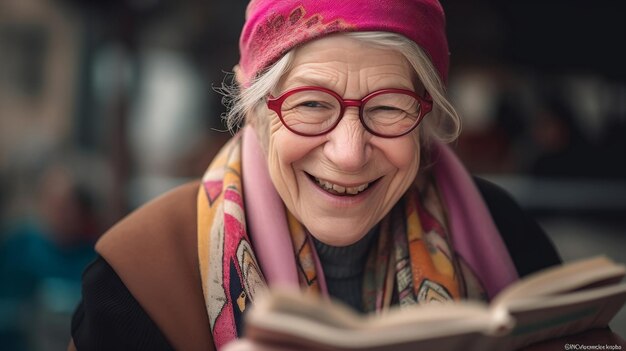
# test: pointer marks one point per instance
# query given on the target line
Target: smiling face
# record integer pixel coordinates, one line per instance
(341, 184)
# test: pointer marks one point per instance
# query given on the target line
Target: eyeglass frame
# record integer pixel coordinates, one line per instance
(426, 105)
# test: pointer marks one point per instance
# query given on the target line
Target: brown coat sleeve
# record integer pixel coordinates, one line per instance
(154, 252)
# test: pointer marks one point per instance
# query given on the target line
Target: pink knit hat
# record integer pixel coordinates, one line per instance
(273, 27)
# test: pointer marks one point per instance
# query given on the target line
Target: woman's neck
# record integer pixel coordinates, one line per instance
(344, 266)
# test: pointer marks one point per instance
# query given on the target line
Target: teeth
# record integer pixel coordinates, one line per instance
(352, 191)
(341, 189)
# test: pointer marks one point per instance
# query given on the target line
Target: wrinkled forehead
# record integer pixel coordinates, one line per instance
(339, 62)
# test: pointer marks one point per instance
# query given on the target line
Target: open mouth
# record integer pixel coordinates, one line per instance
(340, 190)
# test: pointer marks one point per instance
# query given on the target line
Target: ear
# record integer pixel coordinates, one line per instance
(238, 75)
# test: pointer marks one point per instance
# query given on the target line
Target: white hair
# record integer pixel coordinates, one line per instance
(443, 122)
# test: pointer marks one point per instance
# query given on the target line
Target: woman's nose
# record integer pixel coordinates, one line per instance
(348, 143)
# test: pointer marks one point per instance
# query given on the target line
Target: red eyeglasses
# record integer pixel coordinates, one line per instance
(313, 111)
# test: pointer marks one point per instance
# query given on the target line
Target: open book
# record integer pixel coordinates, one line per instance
(557, 301)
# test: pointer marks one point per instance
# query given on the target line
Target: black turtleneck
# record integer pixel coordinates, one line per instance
(343, 268)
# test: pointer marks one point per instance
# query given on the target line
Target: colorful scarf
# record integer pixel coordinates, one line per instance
(412, 261)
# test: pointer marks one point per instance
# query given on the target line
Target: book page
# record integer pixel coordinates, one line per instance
(285, 341)
(564, 278)
(307, 322)
(543, 318)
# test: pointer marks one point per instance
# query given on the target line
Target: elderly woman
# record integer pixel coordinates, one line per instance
(339, 182)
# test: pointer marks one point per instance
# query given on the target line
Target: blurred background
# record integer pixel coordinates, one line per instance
(104, 105)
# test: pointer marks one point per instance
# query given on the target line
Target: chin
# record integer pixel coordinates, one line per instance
(336, 234)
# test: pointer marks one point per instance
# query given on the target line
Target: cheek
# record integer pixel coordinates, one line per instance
(285, 151)
(282, 152)
(403, 153)
(404, 157)
(284, 148)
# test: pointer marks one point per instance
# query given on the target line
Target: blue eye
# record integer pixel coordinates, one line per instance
(311, 104)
